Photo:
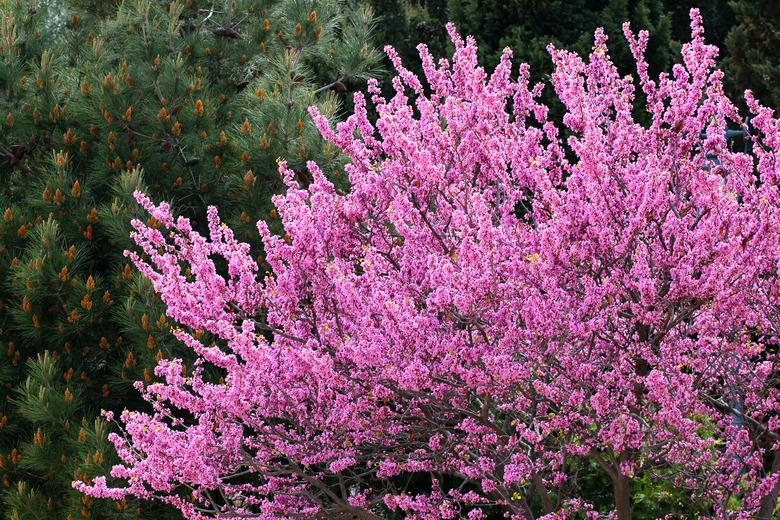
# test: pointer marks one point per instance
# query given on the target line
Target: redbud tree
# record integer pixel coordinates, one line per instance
(495, 300)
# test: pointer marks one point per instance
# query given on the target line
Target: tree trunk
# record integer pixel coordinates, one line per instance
(621, 487)
(769, 502)
(547, 504)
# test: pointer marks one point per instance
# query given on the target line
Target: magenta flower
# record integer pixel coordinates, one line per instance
(494, 299)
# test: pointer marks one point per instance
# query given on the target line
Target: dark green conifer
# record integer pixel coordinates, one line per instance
(753, 44)
(191, 101)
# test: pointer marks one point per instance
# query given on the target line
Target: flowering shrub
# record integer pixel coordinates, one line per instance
(489, 305)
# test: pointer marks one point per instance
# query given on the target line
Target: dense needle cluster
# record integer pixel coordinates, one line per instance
(183, 100)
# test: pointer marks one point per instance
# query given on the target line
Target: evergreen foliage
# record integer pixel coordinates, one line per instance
(746, 31)
(753, 44)
(193, 102)
(528, 26)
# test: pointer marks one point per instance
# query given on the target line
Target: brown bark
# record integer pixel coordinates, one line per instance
(541, 490)
(769, 502)
(621, 485)
(622, 491)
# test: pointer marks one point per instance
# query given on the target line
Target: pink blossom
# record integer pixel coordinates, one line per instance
(494, 298)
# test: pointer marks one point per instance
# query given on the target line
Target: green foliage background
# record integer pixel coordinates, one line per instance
(746, 31)
(191, 101)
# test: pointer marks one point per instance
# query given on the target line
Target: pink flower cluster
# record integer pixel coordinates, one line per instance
(495, 298)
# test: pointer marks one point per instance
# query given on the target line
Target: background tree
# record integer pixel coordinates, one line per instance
(744, 30)
(752, 45)
(192, 101)
(528, 26)
(717, 15)
(404, 24)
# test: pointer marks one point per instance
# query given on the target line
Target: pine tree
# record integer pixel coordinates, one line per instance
(437, 9)
(63, 444)
(717, 15)
(393, 22)
(189, 101)
(404, 24)
(753, 44)
(527, 27)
